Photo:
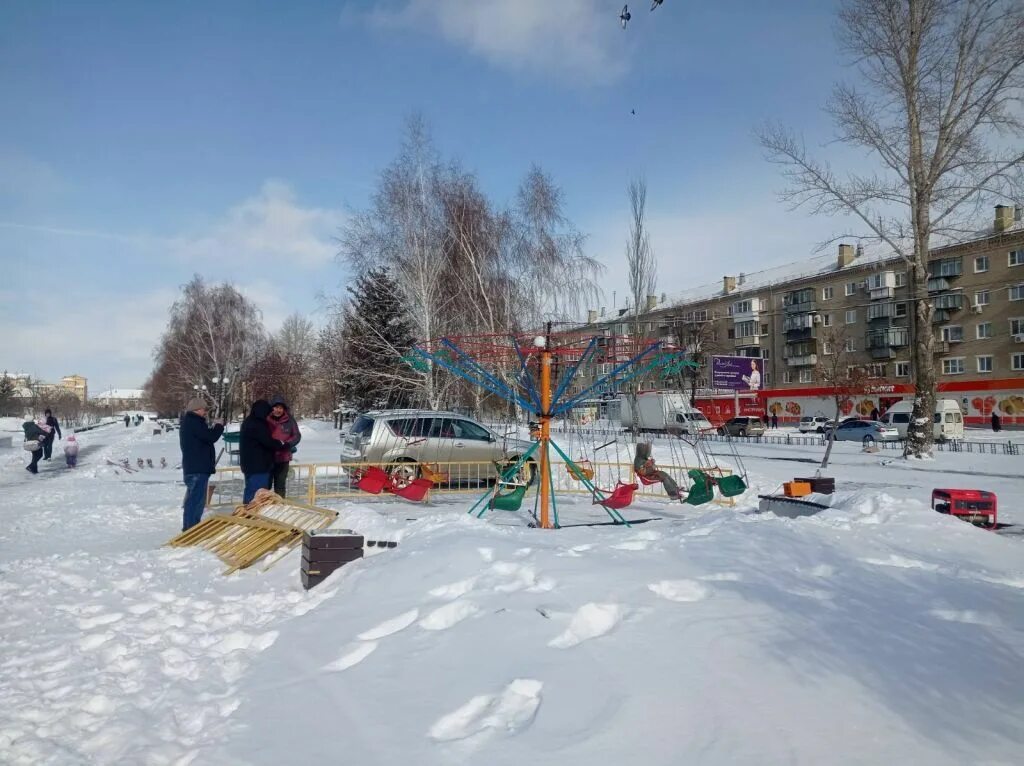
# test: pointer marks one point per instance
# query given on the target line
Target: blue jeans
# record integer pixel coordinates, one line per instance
(195, 499)
(254, 482)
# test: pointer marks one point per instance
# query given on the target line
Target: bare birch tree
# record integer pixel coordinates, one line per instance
(939, 109)
(642, 274)
(838, 372)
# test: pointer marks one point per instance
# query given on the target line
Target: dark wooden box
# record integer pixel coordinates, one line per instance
(332, 539)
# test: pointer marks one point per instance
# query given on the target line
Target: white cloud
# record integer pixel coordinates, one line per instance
(266, 230)
(573, 40)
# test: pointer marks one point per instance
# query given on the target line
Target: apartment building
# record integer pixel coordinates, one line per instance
(858, 304)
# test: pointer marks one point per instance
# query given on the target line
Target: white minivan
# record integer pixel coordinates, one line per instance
(948, 422)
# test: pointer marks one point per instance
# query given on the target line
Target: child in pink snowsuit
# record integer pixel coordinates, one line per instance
(71, 451)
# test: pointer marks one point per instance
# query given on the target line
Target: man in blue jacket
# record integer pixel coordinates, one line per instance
(198, 460)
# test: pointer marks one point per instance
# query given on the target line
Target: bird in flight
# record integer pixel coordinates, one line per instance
(656, 3)
(625, 16)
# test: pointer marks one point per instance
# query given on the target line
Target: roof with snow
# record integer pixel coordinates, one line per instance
(120, 393)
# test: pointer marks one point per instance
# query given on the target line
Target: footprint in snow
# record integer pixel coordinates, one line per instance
(679, 590)
(353, 656)
(511, 710)
(449, 615)
(453, 589)
(390, 627)
(589, 621)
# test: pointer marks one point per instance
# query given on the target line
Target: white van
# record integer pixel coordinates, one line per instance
(948, 423)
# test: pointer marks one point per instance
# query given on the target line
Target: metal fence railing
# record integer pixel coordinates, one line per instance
(309, 482)
(818, 440)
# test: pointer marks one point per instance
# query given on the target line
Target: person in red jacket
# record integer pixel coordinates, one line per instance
(284, 428)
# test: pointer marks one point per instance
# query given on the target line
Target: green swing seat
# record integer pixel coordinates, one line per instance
(509, 501)
(731, 486)
(702, 490)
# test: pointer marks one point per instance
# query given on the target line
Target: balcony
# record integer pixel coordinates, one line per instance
(938, 284)
(883, 352)
(941, 347)
(950, 302)
(749, 341)
(883, 293)
(893, 337)
(807, 306)
(799, 322)
(807, 360)
(881, 311)
(946, 267)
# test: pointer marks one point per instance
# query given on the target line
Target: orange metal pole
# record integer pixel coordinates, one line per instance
(545, 436)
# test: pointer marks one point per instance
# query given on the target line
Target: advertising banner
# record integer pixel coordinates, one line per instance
(736, 373)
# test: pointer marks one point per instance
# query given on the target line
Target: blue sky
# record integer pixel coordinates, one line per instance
(143, 142)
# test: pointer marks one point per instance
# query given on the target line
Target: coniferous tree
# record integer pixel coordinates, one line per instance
(377, 340)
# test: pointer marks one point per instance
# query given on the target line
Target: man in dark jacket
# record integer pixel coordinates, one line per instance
(33, 432)
(51, 421)
(256, 449)
(283, 428)
(198, 460)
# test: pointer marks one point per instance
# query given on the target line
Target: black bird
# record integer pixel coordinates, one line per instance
(656, 3)
(624, 17)
(632, 112)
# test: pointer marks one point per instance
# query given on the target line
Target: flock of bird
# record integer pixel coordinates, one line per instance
(625, 15)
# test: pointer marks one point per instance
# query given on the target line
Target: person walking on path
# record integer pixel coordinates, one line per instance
(997, 424)
(51, 421)
(198, 460)
(71, 451)
(775, 420)
(256, 449)
(35, 431)
(284, 429)
(127, 420)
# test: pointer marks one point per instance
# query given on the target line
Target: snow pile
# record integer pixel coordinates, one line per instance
(875, 631)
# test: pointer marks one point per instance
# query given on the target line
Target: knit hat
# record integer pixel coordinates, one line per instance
(196, 404)
(71, 438)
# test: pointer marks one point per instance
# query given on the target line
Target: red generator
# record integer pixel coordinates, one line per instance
(973, 505)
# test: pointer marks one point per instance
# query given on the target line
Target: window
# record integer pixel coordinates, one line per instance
(901, 279)
(1017, 327)
(1017, 361)
(746, 329)
(984, 363)
(946, 267)
(765, 354)
(953, 333)
(441, 428)
(806, 376)
(953, 366)
(902, 369)
(984, 330)
(981, 264)
(851, 288)
(1016, 258)
(850, 345)
(465, 429)
(826, 348)
(764, 330)
(826, 320)
(787, 377)
(851, 316)
(876, 370)
(827, 293)
(1017, 291)
(741, 307)
(766, 379)
(901, 309)
(982, 298)
(731, 334)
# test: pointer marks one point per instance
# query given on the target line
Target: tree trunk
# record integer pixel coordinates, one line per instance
(920, 435)
(831, 437)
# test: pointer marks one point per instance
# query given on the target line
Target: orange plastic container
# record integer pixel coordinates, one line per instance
(796, 488)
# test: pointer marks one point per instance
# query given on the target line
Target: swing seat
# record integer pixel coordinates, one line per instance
(731, 486)
(648, 480)
(373, 480)
(620, 497)
(581, 470)
(702, 490)
(509, 501)
(434, 477)
(415, 490)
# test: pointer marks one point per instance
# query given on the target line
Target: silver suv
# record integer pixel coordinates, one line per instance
(402, 440)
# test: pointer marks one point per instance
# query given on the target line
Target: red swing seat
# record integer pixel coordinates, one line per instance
(373, 480)
(620, 497)
(415, 490)
(647, 480)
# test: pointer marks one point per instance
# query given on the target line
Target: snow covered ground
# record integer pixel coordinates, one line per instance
(875, 632)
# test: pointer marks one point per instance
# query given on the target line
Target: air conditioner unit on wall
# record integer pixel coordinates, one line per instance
(817, 319)
(1018, 338)
(977, 308)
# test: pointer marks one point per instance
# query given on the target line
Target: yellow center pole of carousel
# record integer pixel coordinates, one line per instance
(545, 436)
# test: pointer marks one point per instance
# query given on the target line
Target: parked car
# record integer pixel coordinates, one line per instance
(864, 431)
(401, 440)
(742, 426)
(830, 422)
(812, 424)
(948, 421)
